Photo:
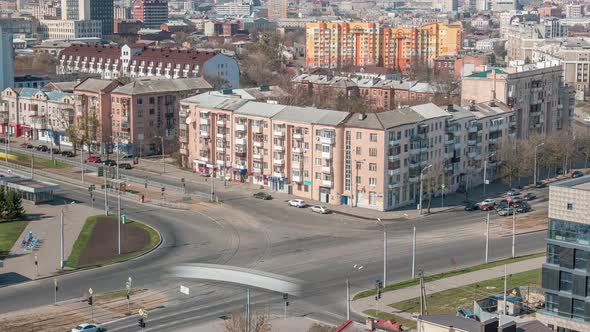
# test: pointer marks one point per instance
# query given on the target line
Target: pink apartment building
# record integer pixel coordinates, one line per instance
(369, 160)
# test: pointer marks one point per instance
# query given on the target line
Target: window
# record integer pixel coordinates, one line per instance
(359, 151)
(358, 180)
(373, 167)
(553, 254)
(581, 258)
(373, 137)
(359, 135)
(578, 309)
(570, 205)
(318, 176)
(318, 161)
(373, 152)
(139, 101)
(565, 281)
(372, 181)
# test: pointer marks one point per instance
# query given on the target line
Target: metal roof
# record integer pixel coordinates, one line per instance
(311, 115)
(206, 100)
(430, 111)
(163, 86)
(264, 110)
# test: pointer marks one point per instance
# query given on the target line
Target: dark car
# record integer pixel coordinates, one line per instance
(577, 174)
(502, 205)
(2, 140)
(125, 166)
(42, 148)
(54, 151)
(529, 196)
(110, 162)
(68, 154)
(516, 202)
(471, 206)
(559, 171)
(26, 145)
(524, 207)
(263, 196)
(540, 184)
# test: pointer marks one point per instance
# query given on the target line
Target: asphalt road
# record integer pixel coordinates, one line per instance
(268, 236)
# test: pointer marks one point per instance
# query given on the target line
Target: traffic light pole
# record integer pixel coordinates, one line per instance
(119, 219)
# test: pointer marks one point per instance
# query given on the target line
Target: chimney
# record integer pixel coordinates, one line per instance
(450, 108)
(370, 324)
(508, 327)
(490, 325)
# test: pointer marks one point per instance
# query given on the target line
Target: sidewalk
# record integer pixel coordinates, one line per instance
(440, 285)
(45, 224)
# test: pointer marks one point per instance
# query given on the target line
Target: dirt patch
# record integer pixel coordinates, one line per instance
(102, 245)
(527, 222)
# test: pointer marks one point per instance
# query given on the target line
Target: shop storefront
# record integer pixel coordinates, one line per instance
(278, 184)
(259, 179)
(240, 175)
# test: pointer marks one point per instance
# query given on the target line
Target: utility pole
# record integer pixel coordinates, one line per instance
(485, 172)
(422, 187)
(286, 300)
(36, 266)
(384, 258)
(106, 196)
(513, 232)
(118, 161)
(347, 299)
(55, 291)
(247, 309)
(82, 162)
(487, 236)
(504, 304)
(32, 165)
(119, 220)
(423, 307)
(61, 230)
(414, 253)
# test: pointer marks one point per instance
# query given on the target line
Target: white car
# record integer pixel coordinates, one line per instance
(587, 119)
(88, 328)
(320, 209)
(297, 203)
(513, 192)
(488, 201)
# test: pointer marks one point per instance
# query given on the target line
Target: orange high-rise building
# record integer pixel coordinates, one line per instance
(331, 45)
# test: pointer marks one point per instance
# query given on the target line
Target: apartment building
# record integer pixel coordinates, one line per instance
(139, 60)
(277, 9)
(566, 272)
(145, 113)
(536, 93)
(37, 114)
(6, 60)
(152, 13)
(70, 29)
(523, 38)
(337, 44)
(370, 160)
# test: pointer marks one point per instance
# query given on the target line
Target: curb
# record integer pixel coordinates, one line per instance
(96, 266)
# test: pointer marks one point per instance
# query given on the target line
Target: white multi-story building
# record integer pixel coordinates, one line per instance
(573, 11)
(69, 29)
(233, 9)
(489, 44)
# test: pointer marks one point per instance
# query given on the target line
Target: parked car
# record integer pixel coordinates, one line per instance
(320, 209)
(559, 171)
(515, 202)
(2, 140)
(89, 328)
(54, 151)
(93, 159)
(263, 196)
(505, 212)
(502, 205)
(540, 184)
(26, 145)
(489, 201)
(587, 119)
(42, 148)
(68, 154)
(471, 206)
(513, 192)
(110, 162)
(524, 207)
(125, 166)
(486, 206)
(206, 175)
(299, 203)
(577, 174)
(529, 196)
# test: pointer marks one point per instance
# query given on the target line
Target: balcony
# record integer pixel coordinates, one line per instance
(395, 141)
(457, 146)
(256, 170)
(256, 130)
(220, 135)
(326, 155)
(472, 154)
(327, 140)
(449, 155)
(298, 136)
(496, 127)
(221, 123)
(204, 159)
(241, 154)
(204, 121)
(449, 167)
(296, 165)
(296, 178)
(393, 185)
(183, 151)
(240, 127)
(278, 174)
(257, 144)
(414, 179)
(220, 163)
(326, 169)
(393, 171)
(473, 129)
(414, 163)
(183, 139)
(257, 156)
(327, 183)
(471, 142)
(297, 150)
(494, 139)
(279, 161)
(279, 148)
(204, 133)
(512, 134)
(279, 133)
(240, 141)
(220, 148)
(393, 157)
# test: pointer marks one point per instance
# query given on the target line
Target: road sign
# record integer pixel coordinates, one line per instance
(140, 312)
(184, 290)
(90, 291)
(145, 314)
(123, 219)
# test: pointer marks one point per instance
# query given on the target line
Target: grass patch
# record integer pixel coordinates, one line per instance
(447, 302)
(10, 231)
(385, 315)
(408, 283)
(39, 163)
(80, 244)
(81, 241)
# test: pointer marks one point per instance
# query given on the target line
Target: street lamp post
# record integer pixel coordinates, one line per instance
(384, 252)
(485, 172)
(421, 187)
(356, 268)
(535, 166)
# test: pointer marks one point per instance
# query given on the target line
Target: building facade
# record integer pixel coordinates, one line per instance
(536, 92)
(152, 13)
(332, 45)
(566, 272)
(277, 9)
(68, 29)
(6, 60)
(138, 60)
(370, 160)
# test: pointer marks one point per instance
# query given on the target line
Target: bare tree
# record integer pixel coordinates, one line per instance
(435, 179)
(583, 148)
(237, 323)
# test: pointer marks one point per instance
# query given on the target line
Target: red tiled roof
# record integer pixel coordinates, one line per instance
(174, 56)
(104, 51)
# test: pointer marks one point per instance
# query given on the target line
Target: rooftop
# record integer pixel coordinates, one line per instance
(163, 86)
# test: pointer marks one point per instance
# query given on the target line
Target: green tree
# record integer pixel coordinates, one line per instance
(14, 206)
(2, 203)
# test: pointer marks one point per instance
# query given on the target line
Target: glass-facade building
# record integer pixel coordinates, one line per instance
(566, 271)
